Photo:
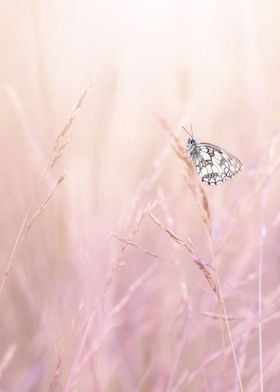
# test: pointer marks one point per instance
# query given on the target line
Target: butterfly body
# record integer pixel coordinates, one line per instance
(213, 164)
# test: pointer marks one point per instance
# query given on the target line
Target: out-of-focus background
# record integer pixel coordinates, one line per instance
(100, 232)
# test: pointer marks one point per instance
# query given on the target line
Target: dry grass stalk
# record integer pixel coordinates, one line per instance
(117, 265)
(62, 347)
(95, 346)
(115, 311)
(189, 247)
(135, 245)
(259, 175)
(119, 262)
(59, 146)
(216, 316)
(202, 201)
(145, 185)
(190, 175)
(64, 136)
(43, 206)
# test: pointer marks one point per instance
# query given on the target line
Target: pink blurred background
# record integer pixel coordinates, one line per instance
(96, 296)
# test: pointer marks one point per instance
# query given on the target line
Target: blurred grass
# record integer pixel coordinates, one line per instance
(102, 294)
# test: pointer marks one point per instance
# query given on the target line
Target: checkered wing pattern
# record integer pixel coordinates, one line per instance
(213, 164)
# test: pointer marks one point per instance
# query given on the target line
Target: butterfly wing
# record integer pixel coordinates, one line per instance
(215, 165)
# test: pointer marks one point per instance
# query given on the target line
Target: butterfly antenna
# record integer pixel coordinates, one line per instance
(191, 129)
(189, 133)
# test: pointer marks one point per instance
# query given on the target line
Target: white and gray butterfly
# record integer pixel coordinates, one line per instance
(213, 164)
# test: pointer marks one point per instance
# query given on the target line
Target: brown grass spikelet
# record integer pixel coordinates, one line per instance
(202, 265)
(64, 135)
(190, 176)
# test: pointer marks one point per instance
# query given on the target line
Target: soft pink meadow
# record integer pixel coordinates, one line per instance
(119, 270)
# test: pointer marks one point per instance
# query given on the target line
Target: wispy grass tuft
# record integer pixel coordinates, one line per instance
(61, 142)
